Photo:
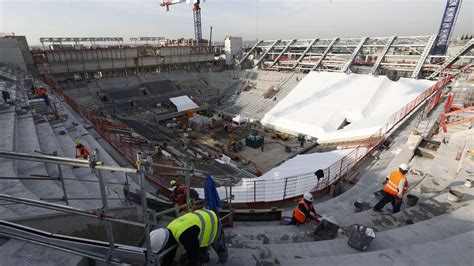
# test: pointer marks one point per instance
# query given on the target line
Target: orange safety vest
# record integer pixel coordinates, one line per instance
(391, 187)
(298, 214)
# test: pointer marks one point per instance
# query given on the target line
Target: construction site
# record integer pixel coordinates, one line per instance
(97, 134)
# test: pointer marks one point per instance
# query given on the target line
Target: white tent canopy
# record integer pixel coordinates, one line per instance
(183, 103)
(323, 101)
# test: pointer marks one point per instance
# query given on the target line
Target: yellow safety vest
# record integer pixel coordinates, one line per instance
(206, 220)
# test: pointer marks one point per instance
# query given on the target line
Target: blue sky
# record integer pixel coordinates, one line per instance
(251, 19)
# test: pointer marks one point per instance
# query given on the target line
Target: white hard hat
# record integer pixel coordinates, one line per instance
(404, 167)
(307, 196)
(159, 238)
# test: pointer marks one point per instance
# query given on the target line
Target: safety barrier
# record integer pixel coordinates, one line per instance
(260, 191)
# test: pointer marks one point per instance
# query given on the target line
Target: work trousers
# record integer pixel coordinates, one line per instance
(396, 202)
(190, 241)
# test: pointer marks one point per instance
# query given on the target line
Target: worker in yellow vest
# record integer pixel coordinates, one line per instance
(196, 231)
(396, 185)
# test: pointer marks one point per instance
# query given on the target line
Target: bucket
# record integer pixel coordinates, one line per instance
(360, 237)
(326, 230)
(412, 200)
(454, 195)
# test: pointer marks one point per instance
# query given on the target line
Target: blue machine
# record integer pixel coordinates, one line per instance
(447, 26)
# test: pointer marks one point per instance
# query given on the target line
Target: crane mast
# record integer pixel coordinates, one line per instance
(447, 26)
(196, 15)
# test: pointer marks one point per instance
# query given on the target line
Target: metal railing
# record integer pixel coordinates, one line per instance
(149, 218)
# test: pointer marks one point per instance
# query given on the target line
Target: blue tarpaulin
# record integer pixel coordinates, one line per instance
(212, 197)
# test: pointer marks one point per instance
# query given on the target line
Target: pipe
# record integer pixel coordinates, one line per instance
(67, 209)
(63, 161)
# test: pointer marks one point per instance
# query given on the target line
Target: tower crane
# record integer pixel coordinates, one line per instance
(447, 27)
(196, 12)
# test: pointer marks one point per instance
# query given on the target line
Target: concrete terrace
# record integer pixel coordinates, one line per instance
(436, 231)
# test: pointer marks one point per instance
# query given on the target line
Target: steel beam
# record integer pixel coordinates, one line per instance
(66, 209)
(328, 49)
(424, 55)
(63, 161)
(304, 53)
(251, 51)
(381, 56)
(93, 249)
(282, 52)
(451, 60)
(354, 54)
(265, 54)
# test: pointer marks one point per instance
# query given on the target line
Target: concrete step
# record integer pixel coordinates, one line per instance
(456, 250)
(17, 252)
(438, 228)
(435, 206)
(27, 142)
(13, 187)
(443, 170)
(68, 145)
(80, 132)
(74, 189)
(371, 179)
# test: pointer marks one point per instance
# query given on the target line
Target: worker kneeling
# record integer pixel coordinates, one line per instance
(302, 212)
(396, 185)
(196, 231)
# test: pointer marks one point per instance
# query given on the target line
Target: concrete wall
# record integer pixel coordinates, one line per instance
(232, 46)
(11, 53)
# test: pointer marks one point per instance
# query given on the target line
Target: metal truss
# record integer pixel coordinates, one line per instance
(452, 59)
(447, 25)
(80, 39)
(407, 56)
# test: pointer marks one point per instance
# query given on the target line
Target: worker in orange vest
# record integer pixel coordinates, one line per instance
(81, 151)
(302, 212)
(396, 185)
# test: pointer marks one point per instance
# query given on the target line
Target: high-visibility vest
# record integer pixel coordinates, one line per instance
(298, 214)
(206, 220)
(85, 152)
(391, 187)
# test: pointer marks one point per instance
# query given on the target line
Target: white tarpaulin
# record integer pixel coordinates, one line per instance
(323, 101)
(183, 103)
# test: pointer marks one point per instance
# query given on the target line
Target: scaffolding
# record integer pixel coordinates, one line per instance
(109, 252)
